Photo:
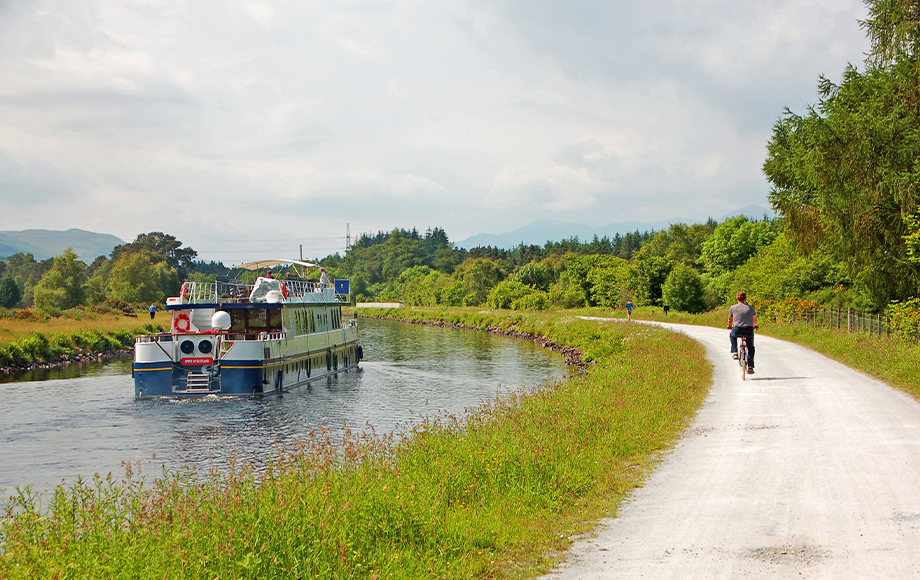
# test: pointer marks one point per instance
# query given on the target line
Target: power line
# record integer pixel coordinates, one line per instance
(247, 241)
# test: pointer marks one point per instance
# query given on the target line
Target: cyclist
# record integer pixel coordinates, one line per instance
(742, 320)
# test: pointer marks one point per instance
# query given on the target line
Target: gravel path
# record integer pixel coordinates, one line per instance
(808, 469)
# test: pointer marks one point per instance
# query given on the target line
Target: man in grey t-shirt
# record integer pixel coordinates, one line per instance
(742, 320)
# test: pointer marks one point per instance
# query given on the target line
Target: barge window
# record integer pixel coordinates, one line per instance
(274, 320)
(238, 321)
(257, 320)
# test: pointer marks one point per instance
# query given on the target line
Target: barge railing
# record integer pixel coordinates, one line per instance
(236, 292)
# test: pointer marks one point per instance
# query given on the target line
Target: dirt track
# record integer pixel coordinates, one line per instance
(806, 470)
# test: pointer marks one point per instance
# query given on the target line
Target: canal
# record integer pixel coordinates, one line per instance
(56, 425)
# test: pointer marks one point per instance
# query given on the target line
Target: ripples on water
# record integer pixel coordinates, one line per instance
(55, 425)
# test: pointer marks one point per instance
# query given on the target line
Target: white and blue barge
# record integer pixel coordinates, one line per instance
(230, 338)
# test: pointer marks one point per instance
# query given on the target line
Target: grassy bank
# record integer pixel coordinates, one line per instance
(13, 328)
(37, 347)
(493, 495)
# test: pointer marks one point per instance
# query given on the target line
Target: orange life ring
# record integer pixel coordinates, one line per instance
(283, 290)
(185, 327)
(182, 291)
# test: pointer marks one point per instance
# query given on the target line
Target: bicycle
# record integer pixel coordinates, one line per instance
(742, 356)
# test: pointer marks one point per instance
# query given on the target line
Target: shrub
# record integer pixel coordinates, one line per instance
(533, 301)
(683, 290)
(905, 318)
(27, 314)
(506, 292)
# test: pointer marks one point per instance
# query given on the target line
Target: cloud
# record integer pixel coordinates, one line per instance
(286, 119)
(33, 185)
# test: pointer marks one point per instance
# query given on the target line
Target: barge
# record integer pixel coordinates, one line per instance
(231, 338)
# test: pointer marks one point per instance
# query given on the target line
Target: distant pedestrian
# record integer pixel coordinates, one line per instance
(152, 310)
(324, 280)
(666, 309)
(269, 275)
(629, 309)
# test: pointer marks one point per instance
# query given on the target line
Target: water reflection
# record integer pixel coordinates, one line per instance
(55, 429)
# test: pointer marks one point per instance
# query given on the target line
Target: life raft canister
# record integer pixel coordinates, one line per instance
(182, 323)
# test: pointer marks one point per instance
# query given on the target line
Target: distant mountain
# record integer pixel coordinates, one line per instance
(44, 244)
(541, 231)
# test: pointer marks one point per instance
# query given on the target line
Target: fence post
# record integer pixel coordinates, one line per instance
(850, 316)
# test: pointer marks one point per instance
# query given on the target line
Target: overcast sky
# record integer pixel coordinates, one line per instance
(247, 128)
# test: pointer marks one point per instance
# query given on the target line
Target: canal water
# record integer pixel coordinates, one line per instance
(55, 425)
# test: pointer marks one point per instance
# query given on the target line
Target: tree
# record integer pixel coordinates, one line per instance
(533, 275)
(651, 273)
(613, 284)
(474, 278)
(683, 290)
(10, 295)
(893, 28)
(506, 292)
(680, 243)
(845, 174)
(733, 242)
(783, 271)
(23, 268)
(136, 280)
(62, 286)
(158, 247)
(587, 271)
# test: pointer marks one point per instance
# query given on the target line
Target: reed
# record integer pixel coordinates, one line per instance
(496, 493)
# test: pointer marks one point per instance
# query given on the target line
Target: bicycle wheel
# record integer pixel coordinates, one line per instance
(742, 361)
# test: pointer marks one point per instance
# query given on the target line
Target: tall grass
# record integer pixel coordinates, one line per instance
(37, 347)
(495, 494)
(13, 328)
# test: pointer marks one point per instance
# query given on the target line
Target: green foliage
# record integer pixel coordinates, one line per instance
(733, 242)
(611, 284)
(683, 290)
(37, 347)
(506, 292)
(475, 278)
(651, 272)
(783, 271)
(845, 175)
(382, 258)
(158, 247)
(62, 286)
(679, 244)
(893, 28)
(134, 279)
(535, 300)
(586, 271)
(904, 318)
(10, 295)
(534, 275)
(26, 272)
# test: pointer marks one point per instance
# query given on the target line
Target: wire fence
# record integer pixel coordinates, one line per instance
(845, 319)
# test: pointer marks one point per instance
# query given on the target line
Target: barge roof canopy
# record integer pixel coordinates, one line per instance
(260, 264)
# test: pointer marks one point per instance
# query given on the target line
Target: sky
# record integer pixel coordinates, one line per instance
(248, 129)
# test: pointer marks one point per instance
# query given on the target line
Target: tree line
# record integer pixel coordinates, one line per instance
(141, 272)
